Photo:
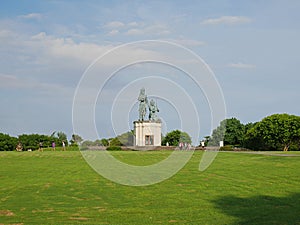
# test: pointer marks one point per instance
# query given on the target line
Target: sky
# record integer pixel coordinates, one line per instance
(50, 51)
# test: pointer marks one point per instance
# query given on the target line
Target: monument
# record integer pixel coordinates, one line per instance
(147, 132)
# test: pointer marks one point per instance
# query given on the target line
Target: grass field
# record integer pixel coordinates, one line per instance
(60, 188)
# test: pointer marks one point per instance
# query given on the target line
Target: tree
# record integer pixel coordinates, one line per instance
(62, 137)
(175, 137)
(86, 143)
(32, 141)
(104, 142)
(231, 131)
(7, 143)
(206, 140)
(125, 139)
(115, 142)
(76, 139)
(278, 131)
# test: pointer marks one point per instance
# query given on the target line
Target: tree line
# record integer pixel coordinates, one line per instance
(35, 141)
(274, 132)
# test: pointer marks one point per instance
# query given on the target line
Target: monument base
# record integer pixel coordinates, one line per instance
(147, 133)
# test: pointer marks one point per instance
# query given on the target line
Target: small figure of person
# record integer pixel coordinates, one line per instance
(53, 146)
(180, 145)
(41, 146)
(202, 144)
(19, 147)
(64, 146)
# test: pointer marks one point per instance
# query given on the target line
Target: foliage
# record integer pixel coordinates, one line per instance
(115, 142)
(34, 141)
(62, 137)
(175, 137)
(113, 148)
(59, 138)
(76, 139)
(7, 143)
(218, 134)
(231, 131)
(31, 141)
(275, 132)
(206, 140)
(87, 143)
(125, 139)
(104, 142)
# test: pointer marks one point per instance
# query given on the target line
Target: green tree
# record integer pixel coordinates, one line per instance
(125, 139)
(76, 139)
(206, 140)
(275, 132)
(87, 143)
(62, 137)
(231, 131)
(115, 142)
(175, 137)
(7, 143)
(104, 142)
(32, 141)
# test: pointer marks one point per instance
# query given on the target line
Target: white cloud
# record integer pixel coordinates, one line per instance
(47, 51)
(133, 24)
(66, 48)
(187, 42)
(17, 83)
(156, 30)
(113, 32)
(5, 33)
(135, 32)
(136, 28)
(32, 16)
(114, 25)
(241, 66)
(228, 20)
(118, 27)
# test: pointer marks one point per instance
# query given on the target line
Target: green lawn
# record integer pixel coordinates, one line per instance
(60, 188)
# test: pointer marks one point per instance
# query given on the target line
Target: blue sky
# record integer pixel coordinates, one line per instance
(45, 46)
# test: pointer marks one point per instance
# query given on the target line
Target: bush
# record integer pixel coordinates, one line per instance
(7, 143)
(114, 148)
(84, 148)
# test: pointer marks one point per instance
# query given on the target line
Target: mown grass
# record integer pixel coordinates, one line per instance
(60, 188)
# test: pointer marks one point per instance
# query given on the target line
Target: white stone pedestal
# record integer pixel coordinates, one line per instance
(147, 133)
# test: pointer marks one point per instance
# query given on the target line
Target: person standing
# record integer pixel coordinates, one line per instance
(41, 146)
(64, 146)
(53, 146)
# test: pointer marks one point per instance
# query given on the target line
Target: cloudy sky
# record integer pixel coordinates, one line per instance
(252, 47)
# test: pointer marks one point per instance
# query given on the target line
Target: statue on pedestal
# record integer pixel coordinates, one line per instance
(147, 131)
(152, 106)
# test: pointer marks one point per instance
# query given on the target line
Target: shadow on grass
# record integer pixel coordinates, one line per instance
(262, 209)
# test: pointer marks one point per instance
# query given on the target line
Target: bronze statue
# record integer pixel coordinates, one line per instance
(152, 111)
(143, 104)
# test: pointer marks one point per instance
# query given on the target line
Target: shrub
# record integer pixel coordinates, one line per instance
(227, 148)
(113, 148)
